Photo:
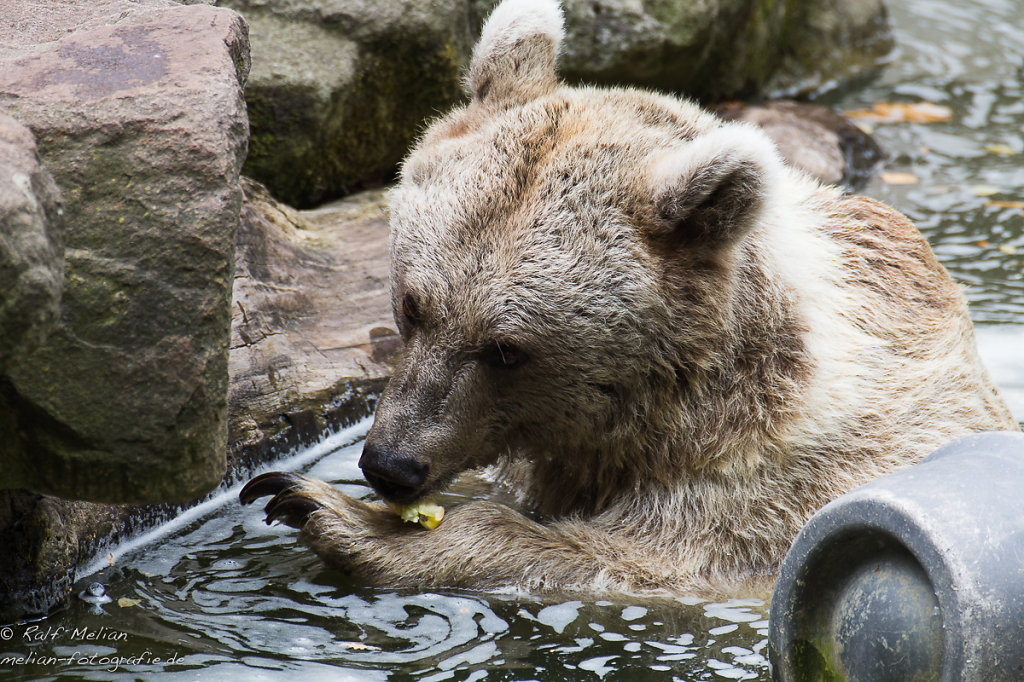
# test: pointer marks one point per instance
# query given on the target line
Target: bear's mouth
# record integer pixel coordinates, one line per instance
(428, 492)
(397, 476)
(393, 491)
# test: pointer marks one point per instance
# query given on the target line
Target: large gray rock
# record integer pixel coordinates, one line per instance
(31, 253)
(834, 41)
(708, 49)
(339, 89)
(138, 114)
(312, 342)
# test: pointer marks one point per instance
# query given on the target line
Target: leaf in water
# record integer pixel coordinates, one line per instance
(359, 646)
(866, 127)
(1005, 204)
(897, 178)
(124, 602)
(902, 112)
(1008, 249)
(1001, 149)
(985, 190)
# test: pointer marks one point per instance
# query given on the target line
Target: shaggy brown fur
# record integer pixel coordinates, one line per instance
(670, 346)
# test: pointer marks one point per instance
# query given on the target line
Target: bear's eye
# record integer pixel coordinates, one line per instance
(503, 354)
(410, 311)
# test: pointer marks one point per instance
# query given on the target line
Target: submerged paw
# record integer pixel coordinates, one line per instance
(288, 504)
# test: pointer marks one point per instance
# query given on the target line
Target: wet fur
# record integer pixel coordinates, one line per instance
(717, 344)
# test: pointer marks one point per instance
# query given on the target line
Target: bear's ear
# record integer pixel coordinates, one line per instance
(711, 191)
(514, 61)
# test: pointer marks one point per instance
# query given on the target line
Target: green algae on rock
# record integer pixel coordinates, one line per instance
(338, 93)
(339, 90)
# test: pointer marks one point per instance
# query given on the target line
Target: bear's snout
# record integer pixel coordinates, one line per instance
(398, 477)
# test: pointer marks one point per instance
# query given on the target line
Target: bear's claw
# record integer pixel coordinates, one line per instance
(286, 505)
(291, 508)
(270, 483)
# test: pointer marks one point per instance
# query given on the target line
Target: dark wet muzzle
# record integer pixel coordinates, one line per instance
(396, 476)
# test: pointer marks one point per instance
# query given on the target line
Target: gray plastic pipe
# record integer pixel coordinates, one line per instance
(915, 576)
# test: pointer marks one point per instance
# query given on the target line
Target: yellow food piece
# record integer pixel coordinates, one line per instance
(427, 514)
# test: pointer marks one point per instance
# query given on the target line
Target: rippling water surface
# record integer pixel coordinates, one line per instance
(968, 56)
(222, 596)
(226, 597)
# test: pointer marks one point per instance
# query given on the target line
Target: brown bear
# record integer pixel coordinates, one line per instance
(667, 346)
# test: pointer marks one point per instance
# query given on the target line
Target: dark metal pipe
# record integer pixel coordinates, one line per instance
(915, 576)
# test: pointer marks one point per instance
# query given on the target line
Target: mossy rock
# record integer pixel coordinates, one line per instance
(31, 249)
(339, 90)
(126, 399)
(336, 96)
(713, 50)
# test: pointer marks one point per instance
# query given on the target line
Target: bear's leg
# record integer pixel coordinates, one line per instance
(479, 544)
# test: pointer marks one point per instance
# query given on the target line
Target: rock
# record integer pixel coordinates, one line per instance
(37, 585)
(312, 333)
(816, 139)
(835, 42)
(138, 114)
(706, 49)
(31, 252)
(339, 89)
(47, 538)
(718, 49)
(37, 568)
(312, 342)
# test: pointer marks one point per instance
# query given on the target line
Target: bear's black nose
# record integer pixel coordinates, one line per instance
(396, 476)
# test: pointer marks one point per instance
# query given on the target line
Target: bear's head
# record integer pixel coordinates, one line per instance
(562, 260)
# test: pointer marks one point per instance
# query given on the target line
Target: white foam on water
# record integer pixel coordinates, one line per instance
(558, 616)
(633, 612)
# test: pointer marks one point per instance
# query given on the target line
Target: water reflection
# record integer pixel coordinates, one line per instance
(970, 58)
(231, 598)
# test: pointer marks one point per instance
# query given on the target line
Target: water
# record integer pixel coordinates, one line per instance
(222, 596)
(968, 56)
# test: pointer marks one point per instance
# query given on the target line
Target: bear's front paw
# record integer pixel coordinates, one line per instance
(346, 532)
(295, 499)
